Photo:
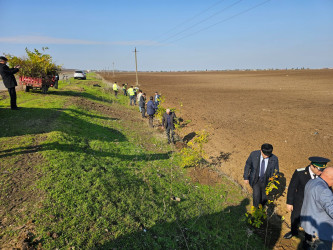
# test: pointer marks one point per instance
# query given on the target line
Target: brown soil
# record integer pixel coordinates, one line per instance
(292, 110)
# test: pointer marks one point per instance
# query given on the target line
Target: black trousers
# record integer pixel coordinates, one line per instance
(295, 218)
(320, 244)
(143, 112)
(12, 94)
(151, 119)
(259, 193)
(170, 134)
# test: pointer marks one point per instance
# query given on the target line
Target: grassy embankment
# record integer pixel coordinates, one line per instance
(80, 170)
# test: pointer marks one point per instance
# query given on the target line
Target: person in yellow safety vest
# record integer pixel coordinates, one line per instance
(115, 89)
(131, 95)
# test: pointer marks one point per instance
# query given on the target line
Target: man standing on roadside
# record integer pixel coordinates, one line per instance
(296, 187)
(115, 89)
(317, 211)
(142, 105)
(131, 95)
(259, 167)
(9, 80)
(125, 89)
(151, 110)
(168, 122)
(138, 97)
(157, 99)
(56, 81)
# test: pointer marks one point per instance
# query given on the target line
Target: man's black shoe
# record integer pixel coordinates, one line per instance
(288, 235)
(16, 108)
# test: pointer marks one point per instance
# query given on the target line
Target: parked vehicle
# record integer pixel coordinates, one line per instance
(80, 74)
(37, 83)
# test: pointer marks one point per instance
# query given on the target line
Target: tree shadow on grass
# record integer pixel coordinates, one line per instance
(32, 121)
(223, 230)
(38, 120)
(81, 94)
(87, 150)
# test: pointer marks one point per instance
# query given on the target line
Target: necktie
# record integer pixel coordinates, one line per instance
(262, 170)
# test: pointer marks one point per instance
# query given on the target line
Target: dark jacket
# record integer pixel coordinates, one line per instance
(165, 120)
(252, 167)
(151, 108)
(296, 187)
(7, 75)
(157, 99)
(142, 101)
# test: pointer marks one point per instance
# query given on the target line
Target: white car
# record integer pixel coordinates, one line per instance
(80, 74)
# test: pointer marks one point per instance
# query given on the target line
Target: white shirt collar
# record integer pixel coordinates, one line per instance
(312, 174)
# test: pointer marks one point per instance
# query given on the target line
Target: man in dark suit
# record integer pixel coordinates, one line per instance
(259, 167)
(296, 187)
(168, 123)
(9, 80)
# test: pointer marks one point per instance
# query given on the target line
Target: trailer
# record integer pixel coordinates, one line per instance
(37, 83)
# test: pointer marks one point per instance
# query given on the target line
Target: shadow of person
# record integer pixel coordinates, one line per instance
(220, 230)
(189, 137)
(323, 231)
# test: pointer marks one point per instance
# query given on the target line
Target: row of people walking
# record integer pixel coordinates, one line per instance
(137, 96)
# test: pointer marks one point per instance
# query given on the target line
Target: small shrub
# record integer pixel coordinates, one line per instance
(160, 110)
(193, 154)
(272, 184)
(256, 216)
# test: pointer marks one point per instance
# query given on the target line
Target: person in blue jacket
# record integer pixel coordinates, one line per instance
(157, 99)
(317, 211)
(151, 110)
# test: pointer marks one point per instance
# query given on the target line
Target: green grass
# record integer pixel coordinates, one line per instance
(108, 181)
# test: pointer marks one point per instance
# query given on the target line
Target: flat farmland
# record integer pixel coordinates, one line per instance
(291, 109)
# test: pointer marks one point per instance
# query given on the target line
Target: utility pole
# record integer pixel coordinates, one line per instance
(113, 68)
(136, 68)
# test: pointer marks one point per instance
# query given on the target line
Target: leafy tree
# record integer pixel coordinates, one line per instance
(36, 64)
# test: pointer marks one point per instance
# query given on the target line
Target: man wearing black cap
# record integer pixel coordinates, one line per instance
(296, 187)
(259, 167)
(9, 80)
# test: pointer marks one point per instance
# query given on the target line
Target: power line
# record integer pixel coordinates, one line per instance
(204, 20)
(222, 21)
(193, 17)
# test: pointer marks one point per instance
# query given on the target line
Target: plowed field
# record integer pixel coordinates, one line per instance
(292, 110)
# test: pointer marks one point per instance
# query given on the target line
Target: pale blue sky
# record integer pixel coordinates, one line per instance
(172, 34)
